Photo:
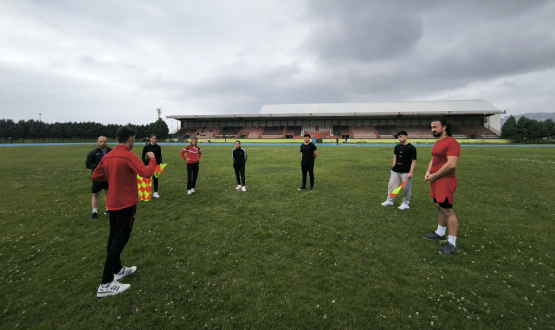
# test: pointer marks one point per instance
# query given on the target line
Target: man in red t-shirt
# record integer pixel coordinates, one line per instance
(120, 168)
(443, 183)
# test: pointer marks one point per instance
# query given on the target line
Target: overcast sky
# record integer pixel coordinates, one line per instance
(117, 61)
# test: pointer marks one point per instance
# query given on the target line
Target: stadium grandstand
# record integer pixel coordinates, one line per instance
(472, 119)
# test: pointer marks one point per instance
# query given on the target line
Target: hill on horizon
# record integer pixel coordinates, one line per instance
(540, 116)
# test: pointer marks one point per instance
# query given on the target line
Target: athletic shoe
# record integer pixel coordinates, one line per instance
(302, 188)
(435, 236)
(312, 189)
(404, 207)
(244, 188)
(238, 187)
(106, 212)
(125, 272)
(192, 190)
(94, 216)
(387, 203)
(189, 192)
(448, 248)
(155, 195)
(111, 289)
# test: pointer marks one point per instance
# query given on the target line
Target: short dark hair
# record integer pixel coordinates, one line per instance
(402, 133)
(238, 141)
(153, 135)
(124, 133)
(307, 135)
(444, 123)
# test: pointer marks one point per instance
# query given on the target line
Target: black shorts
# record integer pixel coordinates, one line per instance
(445, 204)
(98, 186)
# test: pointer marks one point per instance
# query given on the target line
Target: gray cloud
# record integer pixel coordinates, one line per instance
(119, 61)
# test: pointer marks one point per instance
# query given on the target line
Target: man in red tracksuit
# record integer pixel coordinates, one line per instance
(120, 168)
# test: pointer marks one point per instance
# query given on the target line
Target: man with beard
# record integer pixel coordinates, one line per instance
(120, 168)
(443, 183)
(93, 159)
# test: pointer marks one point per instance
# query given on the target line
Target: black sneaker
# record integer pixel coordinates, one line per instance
(302, 188)
(312, 189)
(107, 212)
(435, 236)
(94, 216)
(448, 249)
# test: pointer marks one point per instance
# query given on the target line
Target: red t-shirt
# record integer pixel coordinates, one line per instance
(441, 149)
(193, 153)
(120, 168)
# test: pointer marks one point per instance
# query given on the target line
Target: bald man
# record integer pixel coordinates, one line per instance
(93, 159)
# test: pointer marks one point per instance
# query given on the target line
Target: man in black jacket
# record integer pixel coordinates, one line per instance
(93, 159)
(239, 159)
(155, 148)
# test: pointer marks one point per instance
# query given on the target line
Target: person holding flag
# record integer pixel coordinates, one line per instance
(120, 169)
(404, 162)
(191, 154)
(157, 150)
(443, 183)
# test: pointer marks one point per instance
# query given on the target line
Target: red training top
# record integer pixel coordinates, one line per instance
(441, 149)
(193, 153)
(120, 168)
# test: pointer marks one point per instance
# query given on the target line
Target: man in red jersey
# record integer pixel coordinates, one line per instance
(443, 183)
(120, 168)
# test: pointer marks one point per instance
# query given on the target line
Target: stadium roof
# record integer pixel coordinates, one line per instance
(346, 110)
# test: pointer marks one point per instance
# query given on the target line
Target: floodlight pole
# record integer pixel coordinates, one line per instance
(40, 114)
(159, 110)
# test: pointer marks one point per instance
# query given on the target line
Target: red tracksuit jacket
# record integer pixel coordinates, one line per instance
(193, 153)
(120, 168)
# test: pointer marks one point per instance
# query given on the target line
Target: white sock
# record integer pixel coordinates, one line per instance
(441, 230)
(453, 240)
(95, 211)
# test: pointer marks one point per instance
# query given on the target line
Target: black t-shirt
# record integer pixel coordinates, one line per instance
(308, 153)
(405, 154)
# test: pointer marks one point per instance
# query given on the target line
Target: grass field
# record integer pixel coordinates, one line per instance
(276, 258)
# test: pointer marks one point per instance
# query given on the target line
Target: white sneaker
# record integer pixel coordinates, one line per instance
(238, 187)
(244, 188)
(125, 272)
(189, 192)
(155, 195)
(112, 289)
(192, 190)
(404, 207)
(387, 203)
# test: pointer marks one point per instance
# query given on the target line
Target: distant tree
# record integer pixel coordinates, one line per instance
(536, 130)
(160, 128)
(523, 129)
(548, 128)
(509, 128)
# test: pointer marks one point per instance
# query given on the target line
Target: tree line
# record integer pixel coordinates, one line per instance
(33, 129)
(526, 129)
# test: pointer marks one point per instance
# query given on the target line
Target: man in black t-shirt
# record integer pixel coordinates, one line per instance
(308, 149)
(93, 159)
(404, 162)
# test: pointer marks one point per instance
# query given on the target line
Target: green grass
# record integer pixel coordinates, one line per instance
(276, 258)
